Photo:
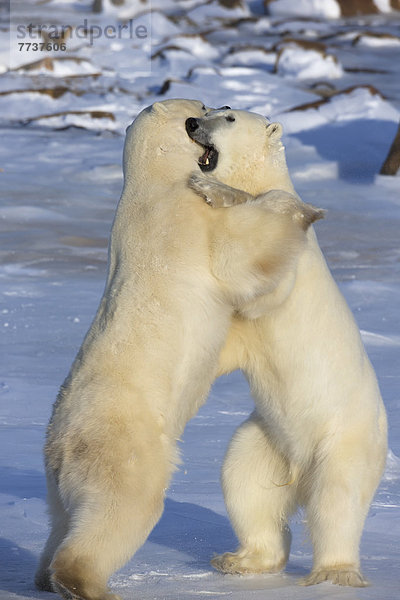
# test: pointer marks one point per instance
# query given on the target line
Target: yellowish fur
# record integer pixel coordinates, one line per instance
(177, 271)
(319, 426)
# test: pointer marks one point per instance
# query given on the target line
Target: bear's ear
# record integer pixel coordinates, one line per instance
(274, 131)
(159, 107)
(308, 215)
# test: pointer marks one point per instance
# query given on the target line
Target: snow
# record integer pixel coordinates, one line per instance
(313, 8)
(60, 178)
(377, 42)
(207, 12)
(353, 106)
(383, 5)
(307, 64)
(251, 58)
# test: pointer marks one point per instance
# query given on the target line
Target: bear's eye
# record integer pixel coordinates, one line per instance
(230, 118)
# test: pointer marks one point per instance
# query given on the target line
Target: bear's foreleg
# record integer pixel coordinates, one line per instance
(215, 193)
(220, 195)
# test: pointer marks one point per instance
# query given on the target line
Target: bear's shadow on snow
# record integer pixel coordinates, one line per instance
(194, 530)
(359, 147)
(201, 533)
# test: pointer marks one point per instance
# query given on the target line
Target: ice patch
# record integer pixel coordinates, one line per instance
(233, 413)
(21, 291)
(30, 214)
(197, 575)
(208, 593)
(20, 270)
(375, 339)
(392, 471)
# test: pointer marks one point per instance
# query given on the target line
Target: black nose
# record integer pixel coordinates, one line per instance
(224, 108)
(191, 125)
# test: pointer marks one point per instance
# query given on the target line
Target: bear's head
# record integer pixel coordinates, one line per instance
(157, 149)
(241, 148)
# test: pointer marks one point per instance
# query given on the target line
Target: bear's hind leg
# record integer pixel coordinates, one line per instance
(107, 529)
(116, 493)
(341, 487)
(259, 497)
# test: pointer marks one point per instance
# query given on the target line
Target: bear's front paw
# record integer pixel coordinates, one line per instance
(204, 187)
(338, 575)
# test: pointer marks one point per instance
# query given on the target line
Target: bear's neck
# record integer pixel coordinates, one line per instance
(274, 175)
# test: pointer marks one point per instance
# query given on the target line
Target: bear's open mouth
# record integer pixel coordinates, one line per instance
(209, 159)
(197, 131)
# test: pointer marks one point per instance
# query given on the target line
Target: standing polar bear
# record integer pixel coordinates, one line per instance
(318, 435)
(177, 271)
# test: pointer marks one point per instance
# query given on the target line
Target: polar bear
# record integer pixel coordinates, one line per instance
(318, 435)
(177, 271)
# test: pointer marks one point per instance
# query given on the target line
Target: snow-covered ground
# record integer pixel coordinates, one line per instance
(61, 131)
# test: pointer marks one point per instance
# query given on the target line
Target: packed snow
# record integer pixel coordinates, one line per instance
(62, 119)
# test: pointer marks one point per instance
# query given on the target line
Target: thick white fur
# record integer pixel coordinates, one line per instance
(318, 435)
(177, 270)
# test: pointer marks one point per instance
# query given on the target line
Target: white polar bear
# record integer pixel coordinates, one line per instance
(176, 272)
(318, 436)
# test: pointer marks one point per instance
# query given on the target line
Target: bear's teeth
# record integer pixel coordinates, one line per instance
(207, 161)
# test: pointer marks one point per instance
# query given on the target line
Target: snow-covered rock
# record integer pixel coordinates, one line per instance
(301, 63)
